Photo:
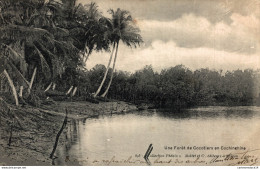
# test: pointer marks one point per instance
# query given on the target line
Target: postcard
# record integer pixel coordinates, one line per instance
(129, 83)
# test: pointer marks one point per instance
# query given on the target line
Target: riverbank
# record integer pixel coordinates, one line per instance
(33, 130)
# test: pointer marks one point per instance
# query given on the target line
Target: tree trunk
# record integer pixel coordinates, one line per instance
(84, 52)
(21, 92)
(87, 57)
(12, 87)
(32, 79)
(2, 85)
(112, 74)
(68, 92)
(74, 91)
(104, 78)
(54, 86)
(48, 87)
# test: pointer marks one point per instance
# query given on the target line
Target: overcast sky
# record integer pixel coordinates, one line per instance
(215, 34)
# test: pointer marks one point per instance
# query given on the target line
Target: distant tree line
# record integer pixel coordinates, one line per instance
(177, 87)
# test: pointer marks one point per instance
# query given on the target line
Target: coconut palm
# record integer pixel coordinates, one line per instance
(95, 30)
(87, 30)
(14, 34)
(90, 29)
(19, 31)
(29, 33)
(9, 58)
(120, 28)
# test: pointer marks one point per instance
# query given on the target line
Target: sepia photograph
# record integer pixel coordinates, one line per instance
(129, 83)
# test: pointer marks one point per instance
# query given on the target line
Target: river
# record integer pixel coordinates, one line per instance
(124, 139)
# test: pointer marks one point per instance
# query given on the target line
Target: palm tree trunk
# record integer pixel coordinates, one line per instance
(32, 80)
(1, 85)
(68, 92)
(87, 57)
(84, 53)
(12, 87)
(54, 86)
(105, 76)
(112, 74)
(21, 92)
(74, 91)
(48, 87)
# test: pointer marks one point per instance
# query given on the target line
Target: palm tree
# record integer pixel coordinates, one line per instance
(3, 70)
(14, 31)
(105, 75)
(120, 27)
(89, 16)
(88, 31)
(30, 26)
(9, 59)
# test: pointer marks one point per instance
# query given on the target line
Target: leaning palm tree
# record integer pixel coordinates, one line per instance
(18, 33)
(120, 27)
(86, 31)
(5, 65)
(30, 34)
(90, 30)
(9, 60)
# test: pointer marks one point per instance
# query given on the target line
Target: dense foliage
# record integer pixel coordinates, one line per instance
(179, 87)
(45, 44)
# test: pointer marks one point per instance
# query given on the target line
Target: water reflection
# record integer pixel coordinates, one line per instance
(72, 137)
(125, 135)
(212, 113)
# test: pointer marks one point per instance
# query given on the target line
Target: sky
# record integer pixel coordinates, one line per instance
(214, 34)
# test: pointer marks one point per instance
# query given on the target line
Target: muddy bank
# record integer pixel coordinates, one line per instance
(34, 130)
(83, 109)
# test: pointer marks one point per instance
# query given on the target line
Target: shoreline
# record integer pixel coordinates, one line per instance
(35, 131)
(34, 134)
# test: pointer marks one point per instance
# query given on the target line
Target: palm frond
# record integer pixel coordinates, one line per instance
(44, 64)
(9, 64)
(131, 37)
(67, 47)
(17, 73)
(14, 55)
(55, 6)
(57, 63)
(92, 11)
(21, 33)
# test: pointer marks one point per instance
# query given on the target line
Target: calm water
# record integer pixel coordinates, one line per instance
(124, 136)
